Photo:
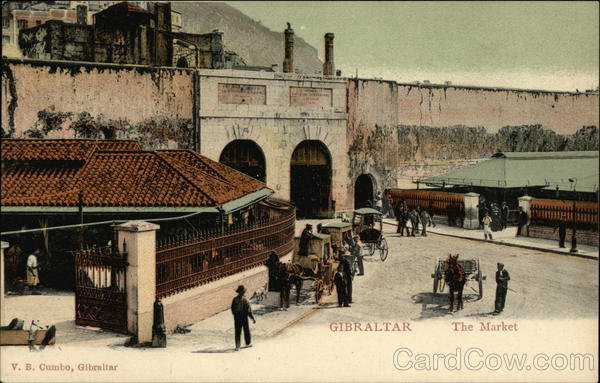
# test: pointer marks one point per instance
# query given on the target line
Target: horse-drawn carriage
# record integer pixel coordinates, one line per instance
(443, 274)
(319, 265)
(364, 223)
(341, 235)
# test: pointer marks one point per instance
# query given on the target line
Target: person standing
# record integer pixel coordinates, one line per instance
(523, 219)
(352, 242)
(397, 212)
(504, 215)
(379, 201)
(431, 213)
(33, 278)
(347, 277)
(305, 238)
(285, 287)
(562, 231)
(340, 287)
(240, 308)
(487, 231)
(502, 278)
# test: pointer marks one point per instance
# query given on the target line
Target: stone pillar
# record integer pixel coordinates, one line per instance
(5, 245)
(288, 61)
(525, 203)
(138, 240)
(471, 211)
(328, 66)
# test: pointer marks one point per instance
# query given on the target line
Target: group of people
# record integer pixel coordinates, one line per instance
(409, 220)
(488, 223)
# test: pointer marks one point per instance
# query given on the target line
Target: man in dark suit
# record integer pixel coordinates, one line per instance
(240, 308)
(502, 278)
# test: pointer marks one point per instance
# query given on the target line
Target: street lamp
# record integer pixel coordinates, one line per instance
(573, 182)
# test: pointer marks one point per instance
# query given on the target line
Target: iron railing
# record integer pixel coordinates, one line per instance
(182, 264)
(434, 201)
(550, 212)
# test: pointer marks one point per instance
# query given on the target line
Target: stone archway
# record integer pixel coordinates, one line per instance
(364, 191)
(310, 180)
(245, 156)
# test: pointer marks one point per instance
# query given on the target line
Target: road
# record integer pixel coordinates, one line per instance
(542, 285)
(553, 300)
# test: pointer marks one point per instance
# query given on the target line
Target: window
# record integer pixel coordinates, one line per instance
(38, 22)
(21, 24)
(5, 21)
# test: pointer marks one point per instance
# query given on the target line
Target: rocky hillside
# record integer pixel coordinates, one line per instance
(255, 43)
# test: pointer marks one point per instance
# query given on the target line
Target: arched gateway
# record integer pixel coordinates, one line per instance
(246, 157)
(310, 176)
(363, 191)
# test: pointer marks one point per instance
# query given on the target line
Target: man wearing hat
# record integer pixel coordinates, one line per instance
(32, 271)
(240, 307)
(502, 278)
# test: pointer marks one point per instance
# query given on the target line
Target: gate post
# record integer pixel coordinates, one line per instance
(138, 240)
(4, 246)
(471, 211)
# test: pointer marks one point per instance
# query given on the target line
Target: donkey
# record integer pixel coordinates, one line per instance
(454, 275)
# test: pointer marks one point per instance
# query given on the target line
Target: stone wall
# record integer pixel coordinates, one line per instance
(77, 100)
(584, 237)
(277, 112)
(399, 132)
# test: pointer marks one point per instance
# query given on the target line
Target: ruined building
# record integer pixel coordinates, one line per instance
(125, 33)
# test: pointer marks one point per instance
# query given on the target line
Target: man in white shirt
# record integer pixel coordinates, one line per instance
(32, 270)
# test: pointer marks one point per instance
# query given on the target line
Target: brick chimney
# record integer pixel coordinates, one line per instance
(82, 14)
(288, 61)
(328, 67)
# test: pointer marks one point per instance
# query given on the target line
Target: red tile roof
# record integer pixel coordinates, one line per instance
(60, 150)
(116, 178)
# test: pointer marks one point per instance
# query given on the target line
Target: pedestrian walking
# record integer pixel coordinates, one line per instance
(430, 212)
(414, 222)
(562, 231)
(33, 278)
(486, 222)
(425, 221)
(502, 278)
(504, 215)
(340, 287)
(240, 308)
(523, 218)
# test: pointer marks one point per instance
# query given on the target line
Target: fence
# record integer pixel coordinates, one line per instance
(433, 201)
(182, 264)
(550, 212)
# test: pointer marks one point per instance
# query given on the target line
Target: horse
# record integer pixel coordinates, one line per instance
(454, 275)
(289, 275)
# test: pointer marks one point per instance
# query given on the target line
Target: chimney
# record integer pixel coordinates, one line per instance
(328, 67)
(288, 61)
(82, 14)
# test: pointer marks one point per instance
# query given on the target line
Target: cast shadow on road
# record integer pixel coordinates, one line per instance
(437, 305)
(214, 351)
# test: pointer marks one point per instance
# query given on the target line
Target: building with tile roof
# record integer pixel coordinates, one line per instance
(58, 184)
(117, 176)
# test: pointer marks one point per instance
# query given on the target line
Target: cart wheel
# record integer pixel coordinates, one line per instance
(383, 249)
(319, 291)
(371, 248)
(480, 279)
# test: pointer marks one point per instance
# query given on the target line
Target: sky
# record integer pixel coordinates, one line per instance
(532, 45)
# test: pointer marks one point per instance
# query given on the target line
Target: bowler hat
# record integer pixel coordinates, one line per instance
(240, 289)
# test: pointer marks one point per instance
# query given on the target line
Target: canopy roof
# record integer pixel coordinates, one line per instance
(527, 169)
(367, 210)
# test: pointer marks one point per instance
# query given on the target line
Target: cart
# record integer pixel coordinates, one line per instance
(320, 264)
(472, 269)
(368, 224)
